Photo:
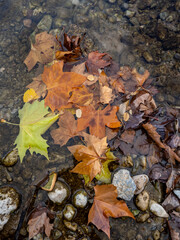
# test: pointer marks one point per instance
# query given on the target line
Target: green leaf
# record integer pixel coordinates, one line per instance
(33, 123)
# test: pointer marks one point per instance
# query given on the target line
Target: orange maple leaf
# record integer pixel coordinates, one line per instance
(59, 85)
(96, 120)
(89, 156)
(106, 205)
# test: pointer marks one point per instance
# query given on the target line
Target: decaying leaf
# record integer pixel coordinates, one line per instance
(42, 51)
(33, 123)
(51, 182)
(90, 156)
(67, 129)
(39, 221)
(96, 120)
(59, 85)
(81, 96)
(106, 205)
(174, 225)
(128, 136)
(38, 86)
(97, 61)
(140, 78)
(106, 95)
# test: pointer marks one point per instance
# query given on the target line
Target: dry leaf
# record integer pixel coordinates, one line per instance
(106, 205)
(106, 95)
(140, 78)
(81, 96)
(30, 95)
(38, 86)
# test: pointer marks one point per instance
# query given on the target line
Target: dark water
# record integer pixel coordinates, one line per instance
(142, 34)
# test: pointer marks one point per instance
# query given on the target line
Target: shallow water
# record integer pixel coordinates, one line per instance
(142, 34)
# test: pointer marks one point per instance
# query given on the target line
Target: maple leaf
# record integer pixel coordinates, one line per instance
(33, 124)
(140, 78)
(97, 61)
(106, 205)
(67, 129)
(42, 51)
(89, 156)
(59, 85)
(81, 96)
(39, 221)
(38, 86)
(96, 120)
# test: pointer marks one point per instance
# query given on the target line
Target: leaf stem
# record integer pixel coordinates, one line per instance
(4, 121)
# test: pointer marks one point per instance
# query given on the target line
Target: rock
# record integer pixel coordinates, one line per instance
(142, 217)
(163, 15)
(142, 201)
(177, 193)
(71, 226)
(157, 209)
(147, 56)
(140, 181)
(60, 192)
(45, 23)
(143, 162)
(129, 14)
(11, 158)
(9, 201)
(80, 198)
(124, 183)
(75, 2)
(156, 235)
(69, 212)
(112, 1)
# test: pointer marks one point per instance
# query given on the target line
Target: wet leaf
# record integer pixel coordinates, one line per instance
(174, 225)
(39, 221)
(59, 85)
(51, 182)
(106, 205)
(38, 86)
(97, 61)
(96, 120)
(128, 136)
(30, 95)
(106, 95)
(33, 123)
(140, 78)
(67, 129)
(42, 51)
(81, 96)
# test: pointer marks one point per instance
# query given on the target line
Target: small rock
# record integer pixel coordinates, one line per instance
(157, 209)
(142, 201)
(72, 226)
(140, 181)
(9, 201)
(27, 23)
(69, 212)
(112, 1)
(147, 56)
(142, 217)
(45, 23)
(156, 235)
(129, 14)
(60, 192)
(124, 183)
(143, 162)
(80, 198)
(163, 15)
(177, 192)
(11, 158)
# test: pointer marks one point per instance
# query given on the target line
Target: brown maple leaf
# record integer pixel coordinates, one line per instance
(39, 221)
(81, 96)
(106, 205)
(42, 51)
(59, 85)
(67, 129)
(38, 86)
(96, 120)
(97, 61)
(89, 156)
(140, 78)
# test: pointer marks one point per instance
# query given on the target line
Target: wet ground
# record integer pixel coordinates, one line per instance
(142, 34)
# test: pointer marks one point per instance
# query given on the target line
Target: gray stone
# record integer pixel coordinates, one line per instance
(80, 198)
(9, 201)
(45, 23)
(157, 209)
(112, 1)
(129, 14)
(69, 212)
(124, 183)
(177, 192)
(163, 15)
(140, 181)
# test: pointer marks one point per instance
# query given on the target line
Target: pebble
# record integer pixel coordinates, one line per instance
(177, 192)
(69, 212)
(129, 14)
(80, 198)
(124, 183)
(142, 217)
(71, 226)
(45, 23)
(60, 192)
(156, 235)
(142, 201)
(140, 181)
(112, 1)
(9, 201)
(147, 56)
(11, 158)
(157, 209)
(143, 162)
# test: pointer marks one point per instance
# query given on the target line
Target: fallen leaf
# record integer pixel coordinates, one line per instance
(89, 156)
(106, 205)
(96, 120)
(67, 129)
(174, 225)
(33, 123)
(111, 132)
(118, 85)
(128, 136)
(173, 179)
(51, 182)
(142, 145)
(134, 121)
(42, 51)
(38, 86)
(81, 96)
(30, 95)
(106, 95)
(140, 78)
(97, 61)
(59, 85)
(39, 221)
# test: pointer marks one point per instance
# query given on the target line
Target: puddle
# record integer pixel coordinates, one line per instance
(141, 34)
